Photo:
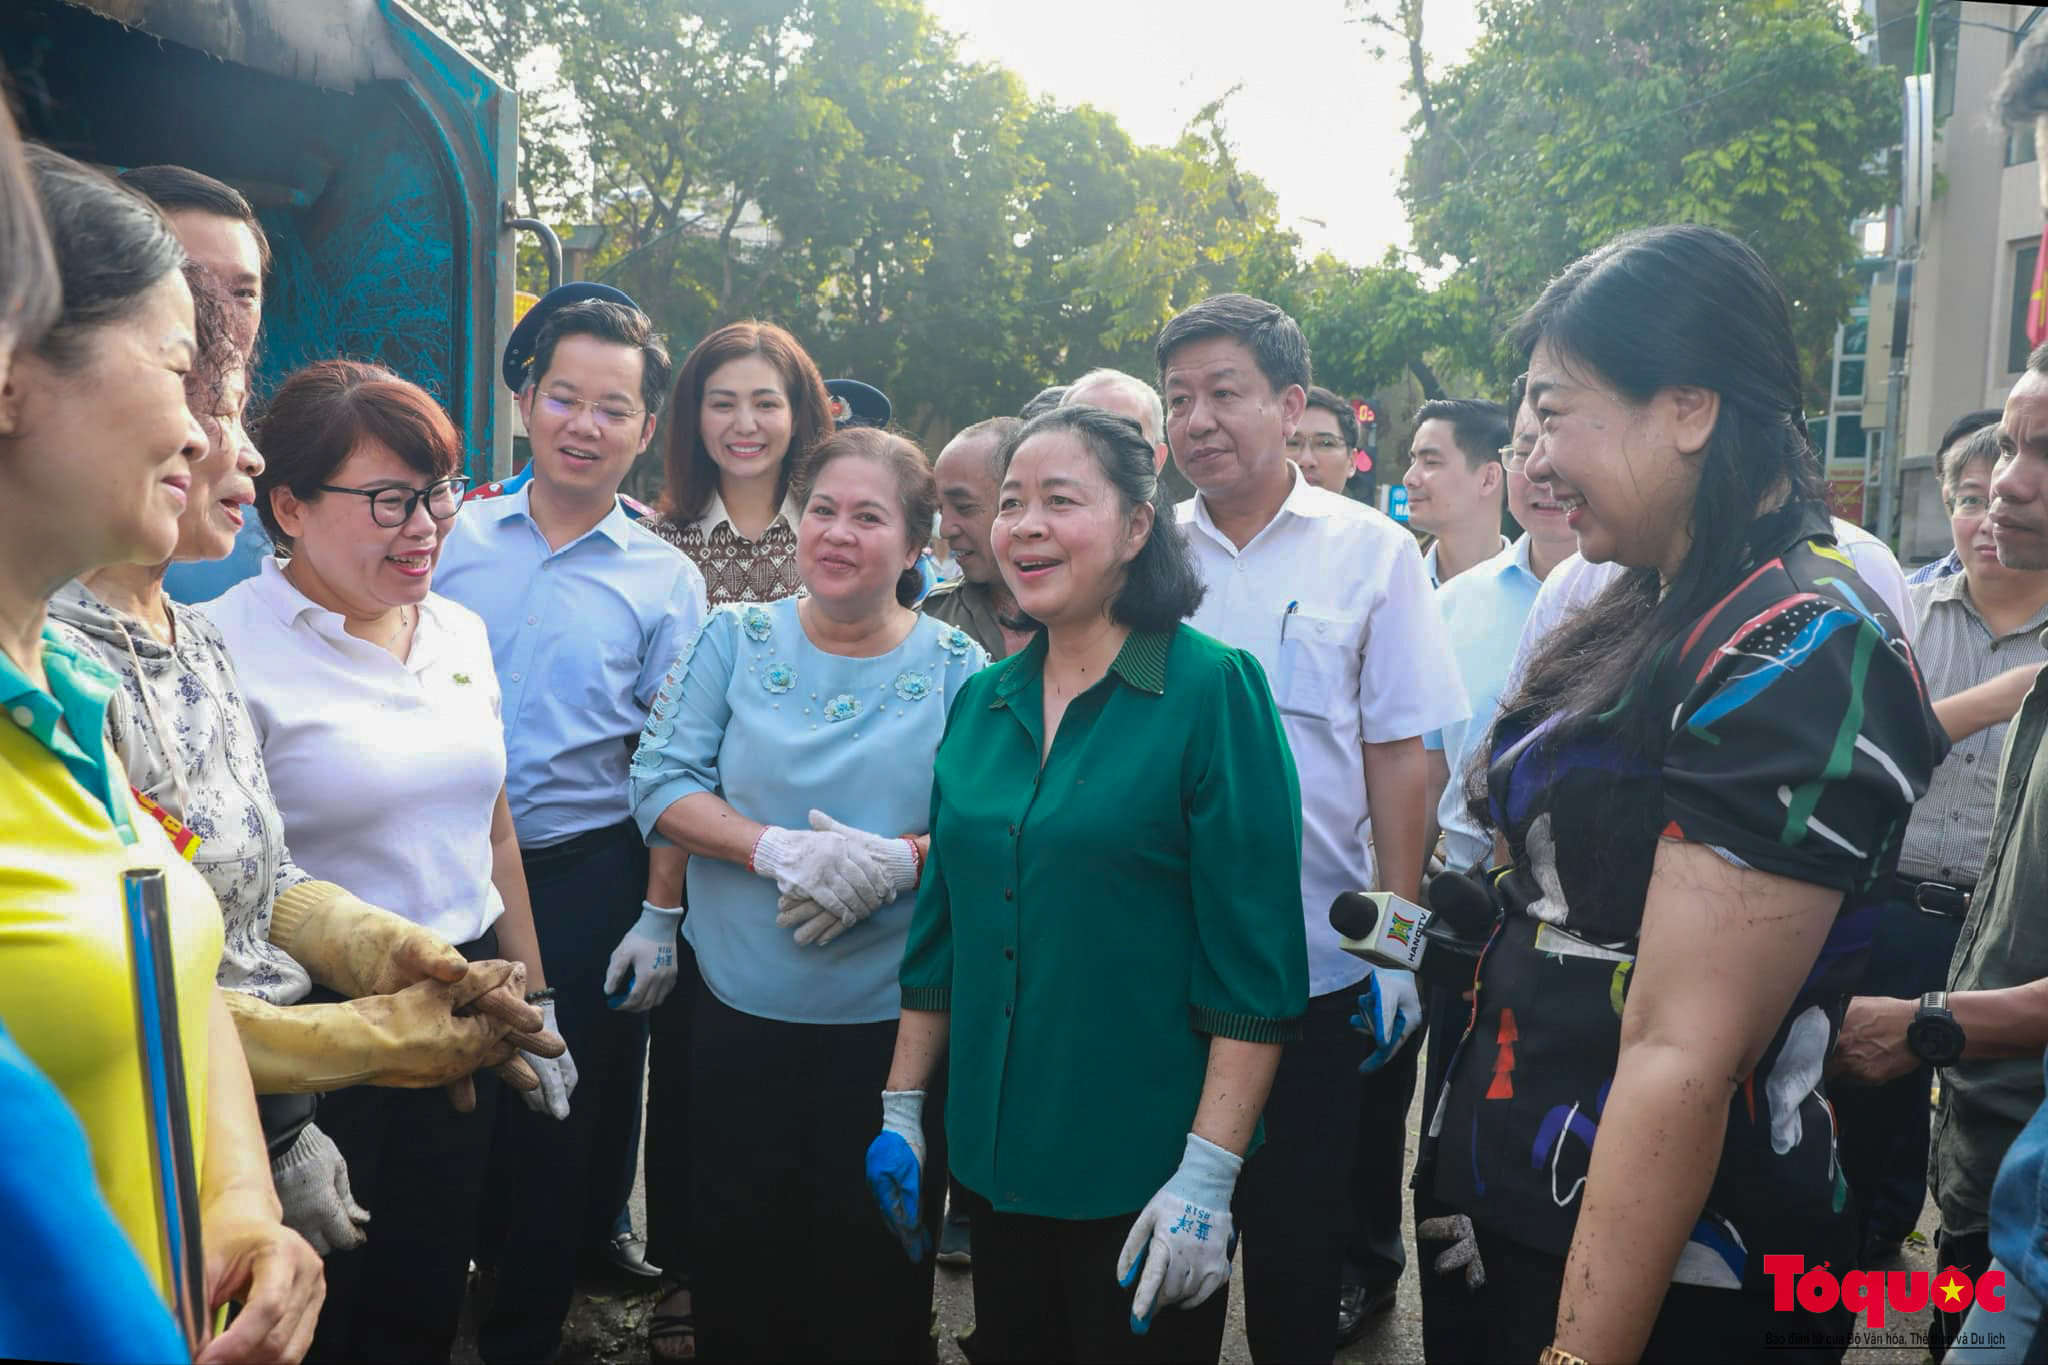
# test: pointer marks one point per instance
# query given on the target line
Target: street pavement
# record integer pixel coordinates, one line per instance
(606, 1323)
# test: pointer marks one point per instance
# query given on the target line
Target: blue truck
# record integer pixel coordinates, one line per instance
(378, 155)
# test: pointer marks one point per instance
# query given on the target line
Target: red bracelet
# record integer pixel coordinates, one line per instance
(917, 854)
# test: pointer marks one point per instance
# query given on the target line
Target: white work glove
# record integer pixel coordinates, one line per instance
(647, 957)
(557, 1074)
(1183, 1239)
(823, 866)
(1389, 1013)
(312, 1185)
(896, 1170)
(812, 922)
(1463, 1253)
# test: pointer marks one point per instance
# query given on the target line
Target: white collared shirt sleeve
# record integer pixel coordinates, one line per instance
(1408, 681)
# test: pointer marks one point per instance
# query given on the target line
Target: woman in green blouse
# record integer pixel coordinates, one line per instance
(1109, 931)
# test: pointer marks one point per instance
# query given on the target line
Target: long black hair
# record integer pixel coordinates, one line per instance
(1161, 587)
(1654, 309)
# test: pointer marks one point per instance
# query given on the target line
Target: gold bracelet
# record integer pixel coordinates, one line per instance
(1557, 1355)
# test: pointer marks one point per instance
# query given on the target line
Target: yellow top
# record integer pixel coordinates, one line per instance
(68, 830)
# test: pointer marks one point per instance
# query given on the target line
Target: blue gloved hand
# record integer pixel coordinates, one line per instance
(1389, 1013)
(643, 966)
(896, 1170)
(1182, 1240)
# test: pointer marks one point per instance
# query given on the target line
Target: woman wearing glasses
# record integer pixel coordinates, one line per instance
(377, 709)
(189, 746)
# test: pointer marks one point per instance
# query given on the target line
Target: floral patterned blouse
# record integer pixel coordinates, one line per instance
(755, 713)
(184, 734)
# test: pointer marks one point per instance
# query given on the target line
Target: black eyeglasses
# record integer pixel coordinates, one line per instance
(393, 507)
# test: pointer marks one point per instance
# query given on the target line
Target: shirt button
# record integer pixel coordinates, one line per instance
(548, 564)
(1009, 894)
(515, 677)
(533, 620)
(1969, 758)
(23, 717)
(1009, 954)
(1007, 1011)
(1013, 831)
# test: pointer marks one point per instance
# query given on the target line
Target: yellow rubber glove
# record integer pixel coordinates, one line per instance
(352, 947)
(428, 1034)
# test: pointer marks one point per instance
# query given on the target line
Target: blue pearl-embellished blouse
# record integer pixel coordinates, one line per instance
(755, 713)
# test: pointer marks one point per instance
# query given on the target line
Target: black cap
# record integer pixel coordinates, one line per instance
(519, 346)
(855, 404)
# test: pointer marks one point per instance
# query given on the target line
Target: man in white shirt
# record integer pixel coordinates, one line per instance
(1454, 483)
(586, 611)
(1331, 598)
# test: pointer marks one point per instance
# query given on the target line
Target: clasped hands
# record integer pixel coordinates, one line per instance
(831, 876)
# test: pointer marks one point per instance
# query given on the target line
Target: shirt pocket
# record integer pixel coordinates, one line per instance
(1314, 654)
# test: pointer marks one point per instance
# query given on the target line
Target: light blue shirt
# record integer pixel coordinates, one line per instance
(580, 637)
(1483, 610)
(758, 715)
(204, 580)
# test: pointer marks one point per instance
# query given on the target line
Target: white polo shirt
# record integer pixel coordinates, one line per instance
(1332, 599)
(386, 772)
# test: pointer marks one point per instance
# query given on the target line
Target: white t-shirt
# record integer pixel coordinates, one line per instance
(1574, 583)
(386, 772)
(1332, 600)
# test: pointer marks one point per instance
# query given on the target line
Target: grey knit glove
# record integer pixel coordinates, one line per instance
(312, 1184)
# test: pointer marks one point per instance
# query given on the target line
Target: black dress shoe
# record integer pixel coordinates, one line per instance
(1358, 1306)
(956, 1246)
(627, 1254)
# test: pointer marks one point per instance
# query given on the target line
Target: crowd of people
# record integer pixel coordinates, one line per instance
(981, 914)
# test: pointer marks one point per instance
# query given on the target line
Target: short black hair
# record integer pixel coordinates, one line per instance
(1347, 420)
(1969, 424)
(111, 244)
(613, 322)
(1162, 587)
(1480, 428)
(172, 188)
(1274, 340)
(1045, 400)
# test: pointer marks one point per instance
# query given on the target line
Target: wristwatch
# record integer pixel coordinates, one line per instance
(1934, 1036)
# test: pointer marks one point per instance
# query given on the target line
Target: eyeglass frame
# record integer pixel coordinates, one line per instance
(599, 413)
(413, 498)
(1512, 460)
(1315, 442)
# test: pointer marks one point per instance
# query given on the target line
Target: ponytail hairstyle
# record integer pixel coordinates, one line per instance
(1161, 586)
(1654, 309)
(917, 492)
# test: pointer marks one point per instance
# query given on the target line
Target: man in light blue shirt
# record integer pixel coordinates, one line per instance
(1483, 610)
(586, 610)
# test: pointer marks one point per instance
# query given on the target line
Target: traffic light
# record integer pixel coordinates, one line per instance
(1363, 411)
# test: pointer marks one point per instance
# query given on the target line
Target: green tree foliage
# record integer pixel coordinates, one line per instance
(1573, 120)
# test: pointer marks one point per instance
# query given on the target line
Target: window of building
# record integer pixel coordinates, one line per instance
(2026, 257)
(2019, 142)
(1944, 37)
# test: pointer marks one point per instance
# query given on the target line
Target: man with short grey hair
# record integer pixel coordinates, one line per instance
(1127, 396)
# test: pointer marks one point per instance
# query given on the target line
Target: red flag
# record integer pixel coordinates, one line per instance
(2037, 307)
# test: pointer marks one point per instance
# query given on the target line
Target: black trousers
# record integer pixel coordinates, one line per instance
(1376, 1251)
(556, 1184)
(1695, 1324)
(667, 1158)
(1045, 1290)
(1293, 1231)
(793, 1259)
(1451, 1309)
(418, 1167)
(1883, 1130)
(1969, 1252)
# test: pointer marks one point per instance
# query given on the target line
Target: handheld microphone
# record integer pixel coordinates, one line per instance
(1440, 944)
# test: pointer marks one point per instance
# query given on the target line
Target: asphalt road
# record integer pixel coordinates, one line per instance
(606, 1324)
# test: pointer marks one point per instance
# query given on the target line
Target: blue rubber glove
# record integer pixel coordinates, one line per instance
(896, 1170)
(1183, 1239)
(1389, 1013)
